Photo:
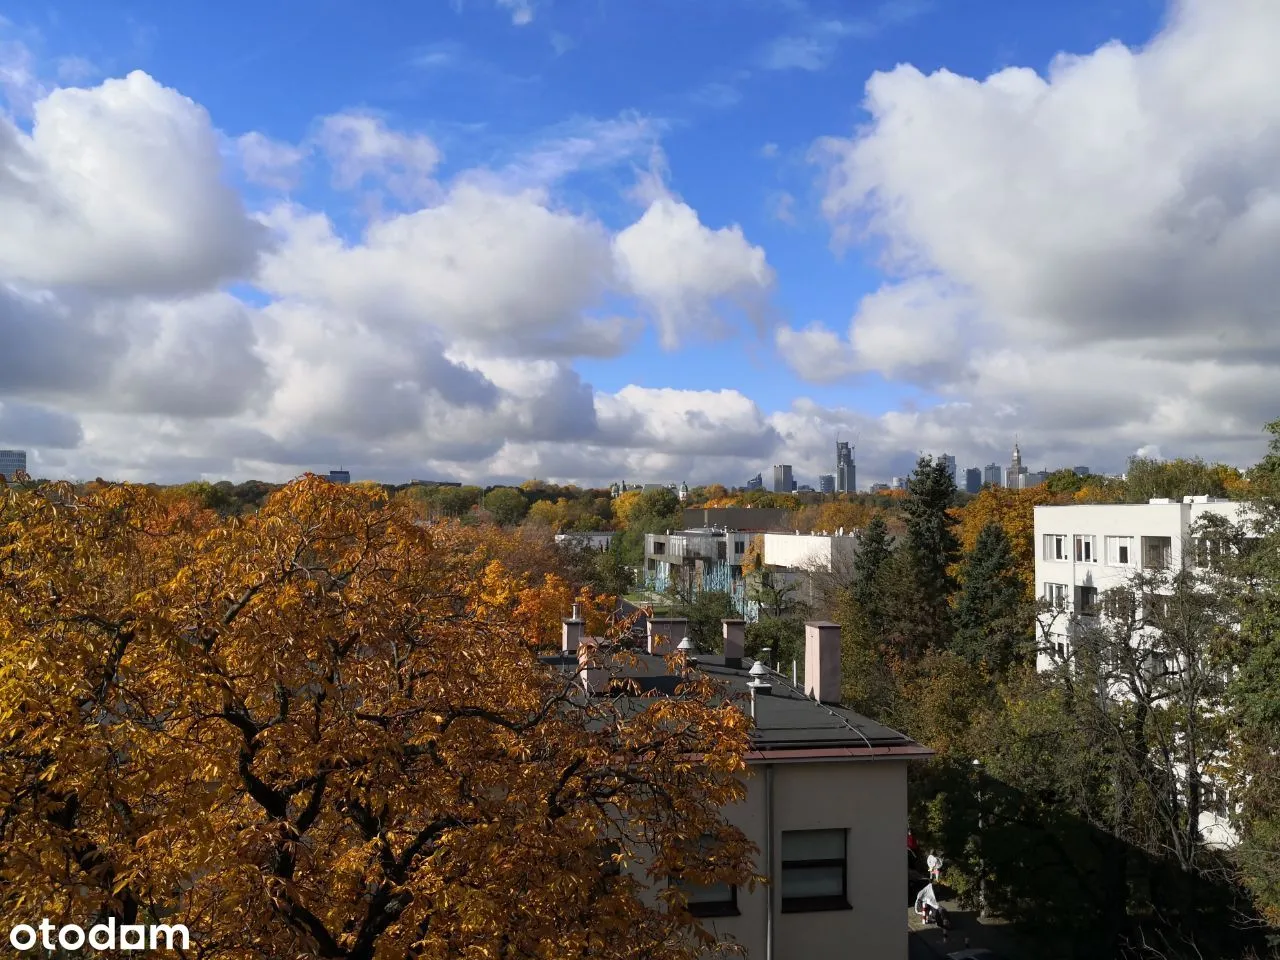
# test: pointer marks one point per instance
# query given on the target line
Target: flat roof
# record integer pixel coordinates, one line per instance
(789, 725)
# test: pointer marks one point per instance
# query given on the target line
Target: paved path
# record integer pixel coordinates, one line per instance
(930, 943)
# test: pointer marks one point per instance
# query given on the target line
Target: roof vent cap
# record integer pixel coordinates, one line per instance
(686, 646)
(759, 670)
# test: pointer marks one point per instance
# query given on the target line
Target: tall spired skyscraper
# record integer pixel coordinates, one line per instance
(846, 471)
(1014, 477)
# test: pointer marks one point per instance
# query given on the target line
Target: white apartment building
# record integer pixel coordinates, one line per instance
(826, 802)
(1084, 550)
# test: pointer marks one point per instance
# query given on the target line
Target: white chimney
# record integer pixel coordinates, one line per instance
(665, 633)
(571, 631)
(735, 637)
(822, 661)
(591, 665)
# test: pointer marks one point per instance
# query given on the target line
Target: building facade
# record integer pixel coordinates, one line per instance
(12, 462)
(825, 805)
(950, 462)
(1083, 551)
(339, 476)
(827, 483)
(756, 483)
(846, 470)
(991, 475)
(972, 480)
(783, 482)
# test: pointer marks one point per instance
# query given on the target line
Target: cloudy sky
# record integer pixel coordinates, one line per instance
(592, 240)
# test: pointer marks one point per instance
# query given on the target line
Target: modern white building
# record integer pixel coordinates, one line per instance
(599, 540)
(827, 552)
(1085, 550)
(12, 462)
(826, 802)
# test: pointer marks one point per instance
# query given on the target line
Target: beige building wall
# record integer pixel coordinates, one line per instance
(869, 799)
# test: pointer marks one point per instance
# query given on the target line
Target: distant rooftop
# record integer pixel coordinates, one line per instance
(789, 725)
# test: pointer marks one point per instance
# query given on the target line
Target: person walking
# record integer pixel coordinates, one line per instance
(935, 868)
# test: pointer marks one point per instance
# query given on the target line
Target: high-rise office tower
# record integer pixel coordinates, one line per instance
(827, 483)
(991, 475)
(782, 481)
(950, 461)
(12, 462)
(972, 480)
(846, 470)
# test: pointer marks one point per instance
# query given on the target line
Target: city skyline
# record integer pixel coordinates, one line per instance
(491, 240)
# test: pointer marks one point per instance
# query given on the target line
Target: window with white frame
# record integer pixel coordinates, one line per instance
(1055, 546)
(1119, 551)
(1056, 594)
(814, 870)
(1086, 549)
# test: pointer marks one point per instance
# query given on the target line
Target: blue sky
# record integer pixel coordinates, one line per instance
(728, 104)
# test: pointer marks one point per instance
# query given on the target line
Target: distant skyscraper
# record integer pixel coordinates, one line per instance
(899, 483)
(756, 483)
(991, 475)
(972, 480)
(782, 480)
(339, 476)
(846, 470)
(950, 461)
(1013, 476)
(1080, 471)
(11, 462)
(827, 483)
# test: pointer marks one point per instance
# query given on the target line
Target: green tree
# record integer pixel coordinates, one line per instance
(932, 549)
(507, 505)
(1254, 694)
(1065, 481)
(1147, 478)
(992, 621)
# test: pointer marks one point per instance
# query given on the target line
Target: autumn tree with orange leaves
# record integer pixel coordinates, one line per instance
(323, 730)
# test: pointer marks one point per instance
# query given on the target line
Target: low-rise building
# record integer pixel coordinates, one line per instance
(826, 801)
(599, 540)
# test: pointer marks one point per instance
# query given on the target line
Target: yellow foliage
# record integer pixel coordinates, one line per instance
(1014, 510)
(322, 730)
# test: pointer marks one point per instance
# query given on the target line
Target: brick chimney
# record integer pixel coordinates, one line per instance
(571, 631)
(665, 633)
(735, 641)
(591, 665)
(822, 661)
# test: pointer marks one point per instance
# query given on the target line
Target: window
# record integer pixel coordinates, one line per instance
(814, 870)
(722, 549)
(1055, 546)
(1056, 594)
(1086, 550)
(709, 899)
(1211, 552)
(739, 547)
(659, 547)
(1157, 552)
(1087, 601)
(1060, 649)
(1155, 608)
(1119, 604)
(1119, 551)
